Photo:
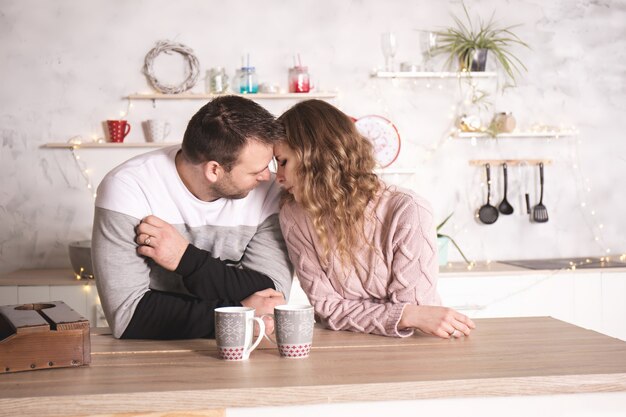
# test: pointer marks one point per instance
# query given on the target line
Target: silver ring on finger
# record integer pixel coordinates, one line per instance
(147, 241)
(453, 334)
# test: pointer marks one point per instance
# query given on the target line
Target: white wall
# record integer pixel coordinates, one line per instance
(66, 66)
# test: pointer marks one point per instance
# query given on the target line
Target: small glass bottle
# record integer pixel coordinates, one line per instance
(217, 80)
(299, 81)
(248, 83)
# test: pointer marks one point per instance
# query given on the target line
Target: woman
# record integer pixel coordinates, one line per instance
(365, 253)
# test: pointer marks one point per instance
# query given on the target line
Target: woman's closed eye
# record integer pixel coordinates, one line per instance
(281, 162)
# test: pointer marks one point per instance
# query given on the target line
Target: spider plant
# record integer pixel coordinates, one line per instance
(448, 237)
(461, 41)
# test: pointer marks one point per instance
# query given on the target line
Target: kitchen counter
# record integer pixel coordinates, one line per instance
(65, 276)
(502, 357)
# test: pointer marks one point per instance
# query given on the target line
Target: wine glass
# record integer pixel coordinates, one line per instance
(389, 45)
(428, 43)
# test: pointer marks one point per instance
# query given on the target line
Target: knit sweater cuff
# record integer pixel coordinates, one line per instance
(395, 314)
(190, 261)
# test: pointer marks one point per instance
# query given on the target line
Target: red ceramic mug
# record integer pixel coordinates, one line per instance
(118, 130)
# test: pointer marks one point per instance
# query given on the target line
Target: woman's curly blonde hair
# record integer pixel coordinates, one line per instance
(335, 174)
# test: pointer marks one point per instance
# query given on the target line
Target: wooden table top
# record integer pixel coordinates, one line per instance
(505, 356)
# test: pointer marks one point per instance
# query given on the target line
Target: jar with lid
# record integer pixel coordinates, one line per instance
(299, 80)
(248, 82)
(216, 80)
(503, 122)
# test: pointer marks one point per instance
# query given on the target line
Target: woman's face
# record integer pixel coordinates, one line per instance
(286, 172)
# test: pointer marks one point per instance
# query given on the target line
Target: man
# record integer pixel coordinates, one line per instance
(213, 192)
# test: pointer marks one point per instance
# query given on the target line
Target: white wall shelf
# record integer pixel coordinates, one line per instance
(392, 171)
(406, 74)
(516, 135)
(113, 145)
(264, 96)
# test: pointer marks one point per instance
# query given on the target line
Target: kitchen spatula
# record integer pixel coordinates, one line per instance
(540, 212)
(488, 214)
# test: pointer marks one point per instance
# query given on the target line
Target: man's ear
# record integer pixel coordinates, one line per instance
(213, 171)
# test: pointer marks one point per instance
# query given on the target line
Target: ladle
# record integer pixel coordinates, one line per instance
(505, 207)
(488, 214)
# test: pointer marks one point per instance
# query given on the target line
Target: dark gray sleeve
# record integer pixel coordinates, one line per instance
(122, 276)
(267, 253)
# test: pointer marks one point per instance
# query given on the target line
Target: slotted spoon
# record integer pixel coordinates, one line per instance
(540, 212)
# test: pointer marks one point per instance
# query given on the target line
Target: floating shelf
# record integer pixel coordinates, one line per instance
(392, 171)
(406, 74)
(515, 135)
(199, 96)
(66, 145)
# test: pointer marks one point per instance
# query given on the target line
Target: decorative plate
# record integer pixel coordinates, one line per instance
(383, 135)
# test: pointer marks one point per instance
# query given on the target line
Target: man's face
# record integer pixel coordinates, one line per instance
(250, 169)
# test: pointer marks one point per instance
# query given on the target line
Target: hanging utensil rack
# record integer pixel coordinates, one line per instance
(509, 162)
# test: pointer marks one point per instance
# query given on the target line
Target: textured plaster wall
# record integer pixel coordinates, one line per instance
(66, 66)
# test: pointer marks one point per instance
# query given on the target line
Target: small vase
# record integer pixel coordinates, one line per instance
(476, 61)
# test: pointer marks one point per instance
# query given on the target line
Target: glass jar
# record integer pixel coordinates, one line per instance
(217, 80)
(299, 80)
(504, 122)
(248, 82)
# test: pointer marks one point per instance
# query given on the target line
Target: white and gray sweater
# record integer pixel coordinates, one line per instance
(245, 232)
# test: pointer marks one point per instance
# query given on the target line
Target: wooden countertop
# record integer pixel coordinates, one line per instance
(507, 356)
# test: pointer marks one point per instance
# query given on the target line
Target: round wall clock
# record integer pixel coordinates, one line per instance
(383, 135)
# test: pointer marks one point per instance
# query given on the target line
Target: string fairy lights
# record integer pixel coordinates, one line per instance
(542, 131)
(76, 143)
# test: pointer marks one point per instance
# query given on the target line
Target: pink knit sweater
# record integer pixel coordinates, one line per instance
(372, 297)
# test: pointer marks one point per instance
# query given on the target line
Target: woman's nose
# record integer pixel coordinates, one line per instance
(280, 177)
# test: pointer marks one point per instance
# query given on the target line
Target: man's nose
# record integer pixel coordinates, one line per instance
(265, 175)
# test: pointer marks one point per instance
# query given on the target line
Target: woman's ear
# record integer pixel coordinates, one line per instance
(213, 171)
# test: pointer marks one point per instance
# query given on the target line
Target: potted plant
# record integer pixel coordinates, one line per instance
(470, 43)
(442, 243)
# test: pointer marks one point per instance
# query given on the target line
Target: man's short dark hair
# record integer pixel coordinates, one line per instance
(222, 127)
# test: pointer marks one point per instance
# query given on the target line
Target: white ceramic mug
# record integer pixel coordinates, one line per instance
(293, 325)
(234, 332)
(158, 130)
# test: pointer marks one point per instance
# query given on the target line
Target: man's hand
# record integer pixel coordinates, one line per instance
(160, 241)
(264, 302)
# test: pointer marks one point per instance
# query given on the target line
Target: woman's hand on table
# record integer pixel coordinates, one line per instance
(437, 321)
(160, 241)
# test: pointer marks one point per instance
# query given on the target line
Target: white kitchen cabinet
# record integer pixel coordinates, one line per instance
(33, 294)
(544, 294)
(45, 285)
(589, 299)
(8, 295)
(614, 304)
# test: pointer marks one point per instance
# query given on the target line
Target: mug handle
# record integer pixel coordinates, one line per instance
(259, 337)
(268, 337)
(127, 130)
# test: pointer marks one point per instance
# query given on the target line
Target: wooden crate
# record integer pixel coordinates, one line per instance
(42, 336)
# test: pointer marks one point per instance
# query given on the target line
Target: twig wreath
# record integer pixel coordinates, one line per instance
(191, 71)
